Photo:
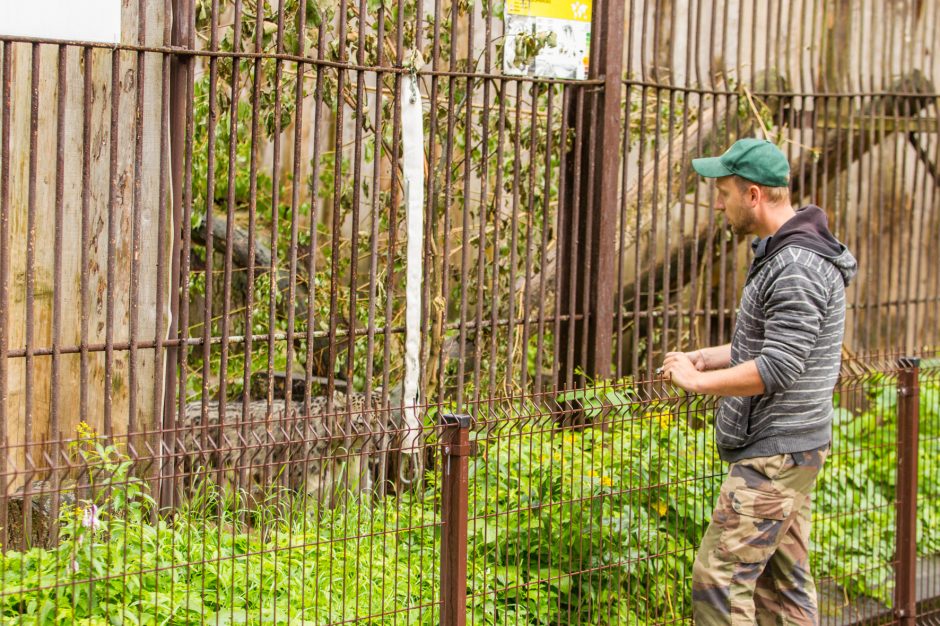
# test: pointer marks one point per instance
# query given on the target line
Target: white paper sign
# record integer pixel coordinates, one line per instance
(71, 20)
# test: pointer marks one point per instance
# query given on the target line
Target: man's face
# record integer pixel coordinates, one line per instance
(736, 205)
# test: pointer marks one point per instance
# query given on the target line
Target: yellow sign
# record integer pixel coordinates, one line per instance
(574, 10)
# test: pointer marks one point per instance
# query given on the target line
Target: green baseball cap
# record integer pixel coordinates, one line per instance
(757, 160)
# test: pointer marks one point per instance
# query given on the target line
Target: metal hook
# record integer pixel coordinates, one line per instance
(414, 464)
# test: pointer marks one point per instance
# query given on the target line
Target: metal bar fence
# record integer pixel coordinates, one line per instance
(213, 262)
(274, 268)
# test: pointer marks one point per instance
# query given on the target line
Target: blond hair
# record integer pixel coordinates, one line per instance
(773, 194)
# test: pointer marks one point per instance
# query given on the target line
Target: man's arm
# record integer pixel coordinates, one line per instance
(741, 380)
(712, 358)
(795, 305)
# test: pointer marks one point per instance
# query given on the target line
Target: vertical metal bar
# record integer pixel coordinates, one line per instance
(378, 134)
(935, 294)
(906, 339)
(155, 436)
(465, 231)
(314, 215)
(497, 203)
(482, 214)
(573, 204)
(31, 261)
(905, 601)
(619, 357)
(357, 114)
(337, 208)
(273, 282)
(62, 88)
(529, 236)
(87, 97)
(921, 172)
(859, 122)
(181, 35)
(134, 295)
(723, 242)
(873, 180)
(298, 121)
(651, 236)
(431, 202)
(256, 78)
(392, 224)
(638, 291)
(226, 317)
(514, 238)
(455, 442)
(597, 191)
(608, 169)
(317, 121)
(562, 237)
(543, 250)
(113, 219)
(5, 107)
(625, 177)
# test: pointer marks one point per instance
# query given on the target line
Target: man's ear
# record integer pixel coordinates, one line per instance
(754, 193)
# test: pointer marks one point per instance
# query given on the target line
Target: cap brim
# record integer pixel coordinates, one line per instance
(710, 167)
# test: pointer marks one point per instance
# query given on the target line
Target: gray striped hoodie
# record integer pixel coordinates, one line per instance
(791, 323)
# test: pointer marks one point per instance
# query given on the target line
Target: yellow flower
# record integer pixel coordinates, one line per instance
(84, 431)
(660, 507)
(662, 415)
(606, 481)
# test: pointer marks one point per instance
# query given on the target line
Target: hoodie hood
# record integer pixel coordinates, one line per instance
(808, 229)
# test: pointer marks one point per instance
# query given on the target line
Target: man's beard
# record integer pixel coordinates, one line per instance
(744, 227)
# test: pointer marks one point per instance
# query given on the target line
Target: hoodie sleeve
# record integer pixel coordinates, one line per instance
(795, 303)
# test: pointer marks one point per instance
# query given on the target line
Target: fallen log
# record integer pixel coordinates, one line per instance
(900, 99)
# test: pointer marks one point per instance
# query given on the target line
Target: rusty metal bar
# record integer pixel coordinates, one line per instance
(456, 449)
(905, 601)
(598, 191)
(5, 100)
(181, 35)
(31, 253)
(226, 317)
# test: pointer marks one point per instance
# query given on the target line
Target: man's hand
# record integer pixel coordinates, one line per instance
(698, 359)
(741, 380)
(679, 369)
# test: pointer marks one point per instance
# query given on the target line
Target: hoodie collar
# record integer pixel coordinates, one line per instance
(808, 228)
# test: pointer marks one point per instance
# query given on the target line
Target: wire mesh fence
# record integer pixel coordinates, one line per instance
(275, 521)
(928, 454)
(583, 507)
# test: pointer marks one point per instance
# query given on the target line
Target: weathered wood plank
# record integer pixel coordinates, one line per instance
(33, 412)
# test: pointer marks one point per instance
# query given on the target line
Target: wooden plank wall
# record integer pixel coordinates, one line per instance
(97, 235)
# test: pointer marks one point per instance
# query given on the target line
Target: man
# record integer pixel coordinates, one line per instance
(776, 377)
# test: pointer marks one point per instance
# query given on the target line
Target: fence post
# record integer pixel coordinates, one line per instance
(182, 36)
(905, 591)
(592, 199)
(455, 448)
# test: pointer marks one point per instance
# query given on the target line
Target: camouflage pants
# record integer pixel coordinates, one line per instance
(753, 564)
